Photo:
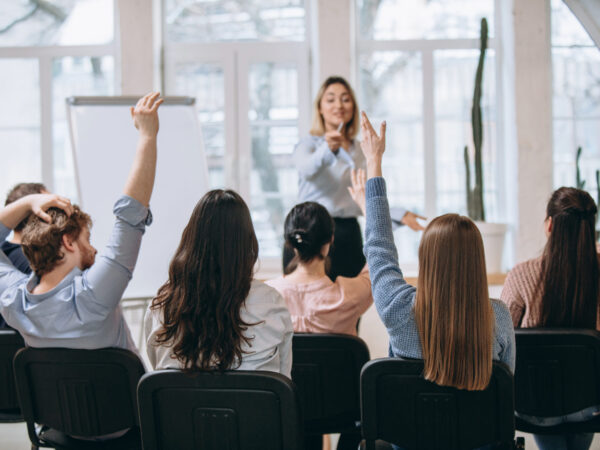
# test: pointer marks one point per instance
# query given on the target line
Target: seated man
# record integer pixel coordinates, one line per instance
(71, 300)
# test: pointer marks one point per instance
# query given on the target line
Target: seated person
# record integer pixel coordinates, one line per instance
(212, 314)
(561, 288)
(71, 300)
(317, 304)
(12, 248)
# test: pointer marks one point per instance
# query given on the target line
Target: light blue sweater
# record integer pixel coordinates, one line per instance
(394, 298)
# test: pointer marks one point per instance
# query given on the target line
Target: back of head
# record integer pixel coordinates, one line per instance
(569, 279)
(21, 190)
(42, 241)
(307, 228)
(209, 280)
(452, 308)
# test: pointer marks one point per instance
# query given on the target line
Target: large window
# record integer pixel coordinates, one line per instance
(49, 50)
(246, 62)
(576, 100)
(416, 69)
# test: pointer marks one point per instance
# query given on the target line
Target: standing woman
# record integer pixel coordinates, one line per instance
(324, 161)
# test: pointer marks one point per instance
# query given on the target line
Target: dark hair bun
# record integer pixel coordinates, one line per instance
(308, 227)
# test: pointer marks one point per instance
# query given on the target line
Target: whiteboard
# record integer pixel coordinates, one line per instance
(104, 142)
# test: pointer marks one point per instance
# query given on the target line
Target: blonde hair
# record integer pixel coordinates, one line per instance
(453, 312)
(318, 125)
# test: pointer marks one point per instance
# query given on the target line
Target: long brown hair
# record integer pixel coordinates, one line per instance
(453, 312)
(209, 280)
(569, 277)
(318, 124)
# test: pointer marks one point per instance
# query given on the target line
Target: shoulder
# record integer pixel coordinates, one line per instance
(263, 294)
(502, 315)
(533, 265)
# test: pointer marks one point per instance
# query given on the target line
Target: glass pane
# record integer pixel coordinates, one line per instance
(454, 83)
(235, 20)
(72, 77)
(206, 83)
(273, 118)
(576, 100)
(19, 123)
(423, 19)
(391, 89)
(566, 29)
(56, 22)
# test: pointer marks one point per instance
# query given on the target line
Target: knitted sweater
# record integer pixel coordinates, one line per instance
(523, 295)
(394, 298)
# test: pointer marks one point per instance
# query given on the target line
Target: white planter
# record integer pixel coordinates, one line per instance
(493, 243)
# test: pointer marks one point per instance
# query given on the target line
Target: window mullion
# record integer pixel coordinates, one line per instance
(46, 136)
(429, 134)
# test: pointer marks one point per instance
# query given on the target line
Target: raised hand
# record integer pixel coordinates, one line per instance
(357, 190)
(372, 145)
(145, 114)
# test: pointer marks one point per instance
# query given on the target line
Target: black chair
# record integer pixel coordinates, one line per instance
(232, 410)
(557, 373)
(83, 393)
(399, 406)
(10, 343)
(326, 369)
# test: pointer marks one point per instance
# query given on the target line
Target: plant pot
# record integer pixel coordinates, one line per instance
(493, 243)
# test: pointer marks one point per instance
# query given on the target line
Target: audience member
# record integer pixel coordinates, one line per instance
(72, 300)
(211, 314)
(561, 288)
(316, 303)
(449, 320)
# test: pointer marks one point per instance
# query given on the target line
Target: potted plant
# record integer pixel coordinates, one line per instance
(492, 233)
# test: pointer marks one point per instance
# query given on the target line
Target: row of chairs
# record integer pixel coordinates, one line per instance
(90, 393)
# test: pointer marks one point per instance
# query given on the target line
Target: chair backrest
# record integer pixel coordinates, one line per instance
(399, 406)
(10, 343)
(557, 371)
(79, 392)
(326, 369)
(233, 410)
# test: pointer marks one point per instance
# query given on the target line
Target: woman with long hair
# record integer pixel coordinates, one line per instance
(211, 314)
(449, 320)
(324, 161)
(561, 288)
(317, 304)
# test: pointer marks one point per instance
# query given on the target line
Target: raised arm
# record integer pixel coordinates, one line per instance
(140, 182)
(392, 295)
(113, 269)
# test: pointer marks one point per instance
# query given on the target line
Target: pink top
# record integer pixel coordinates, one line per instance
(324, 306)
(523, 296)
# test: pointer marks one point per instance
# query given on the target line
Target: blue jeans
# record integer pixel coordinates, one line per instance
(575, 441)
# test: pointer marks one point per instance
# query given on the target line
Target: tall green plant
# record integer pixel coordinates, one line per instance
(475, 206)
(580, 182)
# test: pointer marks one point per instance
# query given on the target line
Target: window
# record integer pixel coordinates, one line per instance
(247, 64)
(576, 100)
(416, 69)
(49, 51)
